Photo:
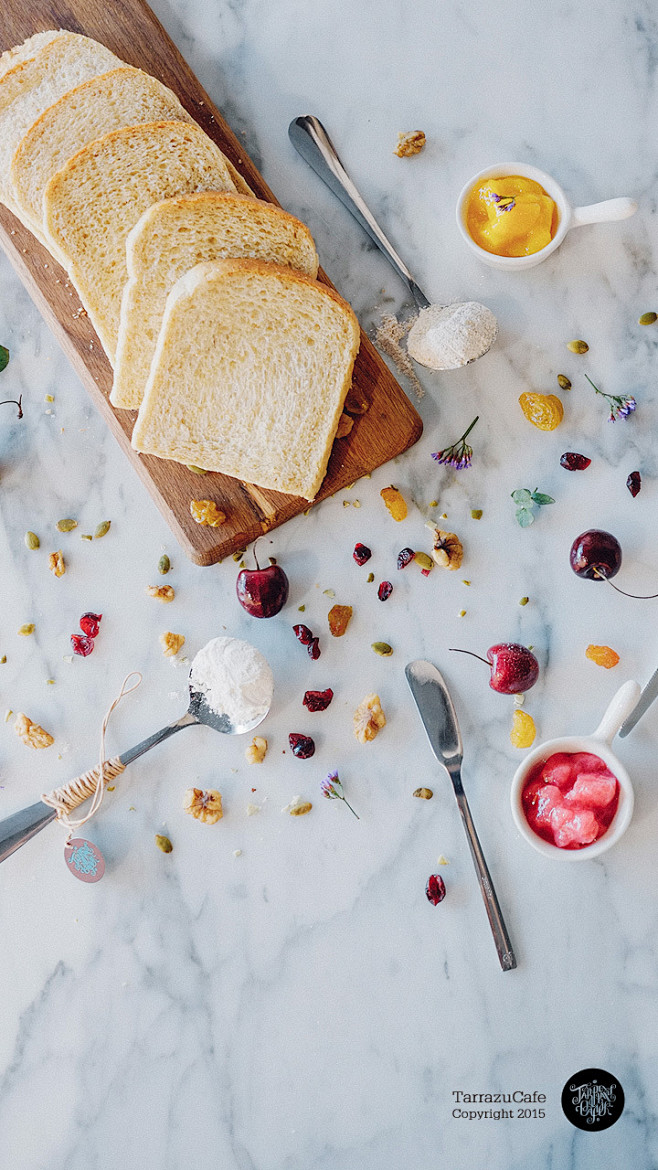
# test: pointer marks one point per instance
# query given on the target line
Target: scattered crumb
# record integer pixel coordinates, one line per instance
(388, 336)
(443, 860)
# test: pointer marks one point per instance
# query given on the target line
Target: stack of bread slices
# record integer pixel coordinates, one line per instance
(204, 297)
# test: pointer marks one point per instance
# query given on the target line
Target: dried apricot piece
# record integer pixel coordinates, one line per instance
(395, 502)
(602, 656)
(523, 730)
(544, 411)
(339, 619)
(207, 513)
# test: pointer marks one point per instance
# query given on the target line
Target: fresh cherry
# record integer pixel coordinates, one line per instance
(262, 592)
(514, 668)
(596, 555)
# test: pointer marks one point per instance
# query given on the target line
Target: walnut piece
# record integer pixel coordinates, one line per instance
(447, 549)
(255, 753)
(207, 513)
(32, 735)
(171, 643)
(410, 143)
(205, 805)
(345, 424)
(368, 719)
(56, 563)
(161, 592)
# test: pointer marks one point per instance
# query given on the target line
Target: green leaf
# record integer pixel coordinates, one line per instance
(522, 497)
(525, 517)
(540, 498)
(4, 357)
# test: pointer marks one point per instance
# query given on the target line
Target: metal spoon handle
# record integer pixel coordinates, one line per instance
(310, 139)
(494, 913)
(21, 826)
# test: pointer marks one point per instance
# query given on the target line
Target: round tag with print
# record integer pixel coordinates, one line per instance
(84, 860)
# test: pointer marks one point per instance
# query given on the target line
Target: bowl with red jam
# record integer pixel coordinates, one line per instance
(571, 797)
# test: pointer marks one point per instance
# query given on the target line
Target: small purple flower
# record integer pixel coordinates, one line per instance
(621, 405)
(459, 455)
(332, 788)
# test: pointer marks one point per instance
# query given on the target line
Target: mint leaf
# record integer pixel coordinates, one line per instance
(540, 498)
(525, 517)
(4, 357)
(522, 497)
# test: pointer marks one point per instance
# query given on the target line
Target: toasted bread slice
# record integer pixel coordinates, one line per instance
(249, 375)
(27, 89)
(170, 238)
(121, 97)
(90, 205)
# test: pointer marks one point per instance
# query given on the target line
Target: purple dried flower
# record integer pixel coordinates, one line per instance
(621, 405)
(459, 455)
(332, 788)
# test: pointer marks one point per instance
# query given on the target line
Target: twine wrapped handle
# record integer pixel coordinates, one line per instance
(94, 782)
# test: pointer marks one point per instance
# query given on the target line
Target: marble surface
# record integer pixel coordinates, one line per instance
(302, 1006)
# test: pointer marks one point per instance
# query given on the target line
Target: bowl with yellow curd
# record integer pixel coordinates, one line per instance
(514, 216)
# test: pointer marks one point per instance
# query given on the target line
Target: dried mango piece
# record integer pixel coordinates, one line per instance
(602, 656)
(523, 730)
(339, 619)
(395, 502)
(544, 411)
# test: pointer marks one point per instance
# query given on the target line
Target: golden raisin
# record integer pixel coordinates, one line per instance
(395, 502)
(339, 619)
(602, 656)
(523, 730)
(544, 411)
(207, 513)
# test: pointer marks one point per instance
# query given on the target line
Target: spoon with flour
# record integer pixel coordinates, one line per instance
(443, 337)
(231, 688)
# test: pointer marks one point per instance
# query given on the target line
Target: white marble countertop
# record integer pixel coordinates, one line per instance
(302, 1006)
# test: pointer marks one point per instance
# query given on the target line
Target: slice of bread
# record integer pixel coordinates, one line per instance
(90, 205)
(170, 238)
(121, 97)
(249, 375)
(28, 48)
(27, 89)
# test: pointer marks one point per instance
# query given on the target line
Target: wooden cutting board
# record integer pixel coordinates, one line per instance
(389, 425)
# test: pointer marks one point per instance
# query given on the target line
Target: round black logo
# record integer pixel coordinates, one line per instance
(593, 1099)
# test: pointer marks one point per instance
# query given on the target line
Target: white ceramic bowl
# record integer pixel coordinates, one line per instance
(599, 745)
(568, 216)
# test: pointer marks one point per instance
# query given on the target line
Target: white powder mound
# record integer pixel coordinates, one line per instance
(445, 337)
(235, 679)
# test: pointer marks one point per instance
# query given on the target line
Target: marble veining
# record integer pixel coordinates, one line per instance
(301, 1006)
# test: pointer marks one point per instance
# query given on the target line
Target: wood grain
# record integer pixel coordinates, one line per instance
(390, 425)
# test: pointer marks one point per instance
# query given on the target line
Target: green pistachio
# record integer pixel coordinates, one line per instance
(424, 560)
(163, 843)
(563, 382)
(424, 793)
(66, 525)
(382, 648)
(32, 540)
(648, 318)
(103, 529)
(578, 346)
(164, 564)
(195, 469)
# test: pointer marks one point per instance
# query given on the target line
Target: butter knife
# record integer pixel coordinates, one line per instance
(648, 695)
(440, 722)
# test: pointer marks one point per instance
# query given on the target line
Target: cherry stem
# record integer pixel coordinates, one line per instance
(254, 551)
(14, 402)
(456, 650)
(636, 596)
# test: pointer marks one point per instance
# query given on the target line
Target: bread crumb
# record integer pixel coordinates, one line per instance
(388, 336)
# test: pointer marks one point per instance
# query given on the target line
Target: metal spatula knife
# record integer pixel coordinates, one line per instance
(440, 722)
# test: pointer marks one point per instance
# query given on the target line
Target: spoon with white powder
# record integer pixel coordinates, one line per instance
(443, 337)
(231, 688)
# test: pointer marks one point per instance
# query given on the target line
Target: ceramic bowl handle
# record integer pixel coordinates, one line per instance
(604, 212)
(618, 711)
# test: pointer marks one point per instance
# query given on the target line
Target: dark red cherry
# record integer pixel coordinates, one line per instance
(595, 554)
(262, 592)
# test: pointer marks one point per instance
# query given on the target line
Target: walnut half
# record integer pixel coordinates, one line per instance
(368, 719)
(205, 805)
(171, 643)
(447, 549)
(31, 734)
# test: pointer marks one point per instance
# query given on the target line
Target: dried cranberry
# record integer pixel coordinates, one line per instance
(301, 746)
(425, 572)
(384, 591)
(303, 634)
(82, 644)
(435, 889)
(405, 557)
(318, 700)
(361, 554)
(314, 648)
(90, 624)
(574, 462)
(634, 483)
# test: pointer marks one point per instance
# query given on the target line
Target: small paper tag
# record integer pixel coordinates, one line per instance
(84, 860)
